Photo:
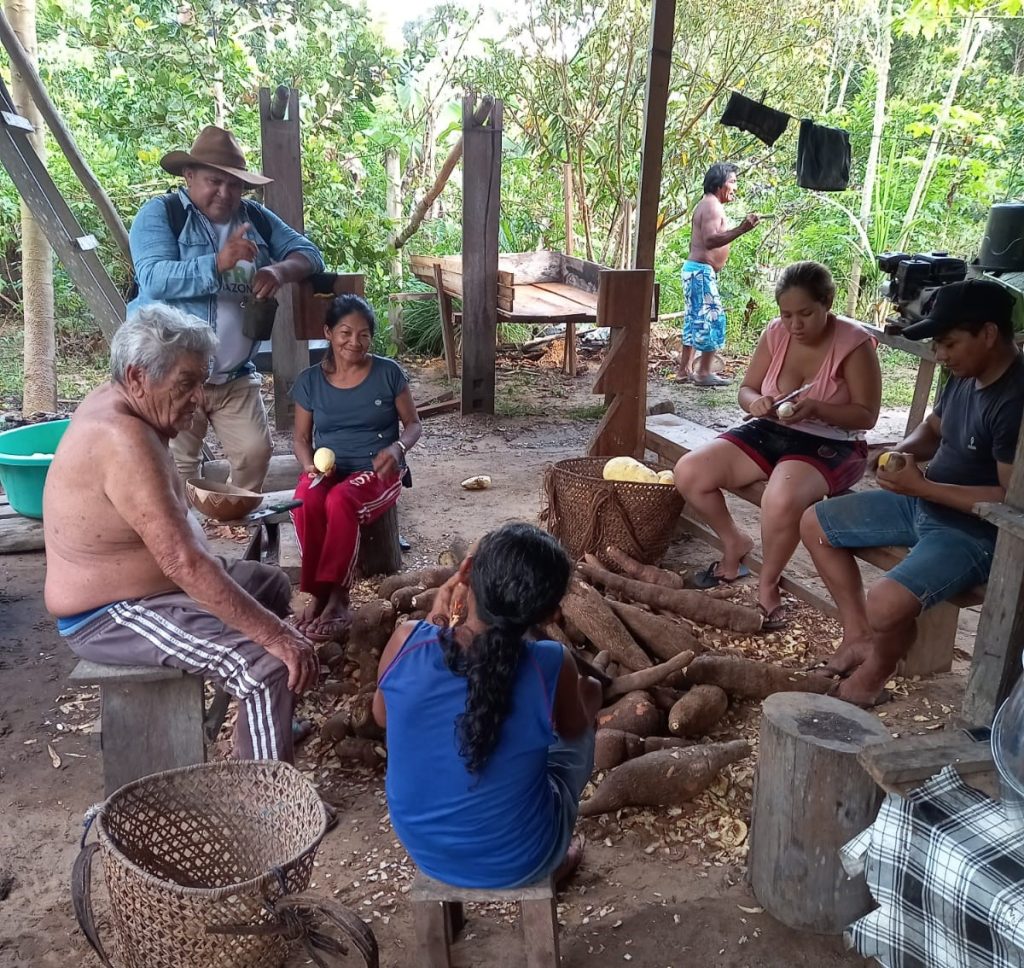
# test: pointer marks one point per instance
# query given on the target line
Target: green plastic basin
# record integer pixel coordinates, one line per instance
(25, 457)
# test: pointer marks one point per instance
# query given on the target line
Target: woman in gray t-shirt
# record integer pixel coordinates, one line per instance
(360, 406)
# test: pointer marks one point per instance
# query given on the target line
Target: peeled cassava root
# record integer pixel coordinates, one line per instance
(662, 637)
(633, 713)
(592, 615)
(646, 678)
(615, 746)
(663, 778)
(686, 602)
(697, 711)
(632, 568)
(748, 679)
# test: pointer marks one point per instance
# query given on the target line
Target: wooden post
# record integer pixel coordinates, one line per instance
(481, 204)
(393, 171)
(282, 161)
(21, 63)
(624, 303)
(444, 307)
(996, 665)
(922, 395)
(570, 232)
(659, 66)
(810, 797)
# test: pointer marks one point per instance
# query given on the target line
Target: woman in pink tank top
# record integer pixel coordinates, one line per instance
(805, 451)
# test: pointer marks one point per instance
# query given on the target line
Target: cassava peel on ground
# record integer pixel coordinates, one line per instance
(646, 678)
(424, 578)
(691, 604)
(632, 568)
(591, 614)
(697, 711)
(663, 778)
(750, 679)
(633, 713)
(662, 637)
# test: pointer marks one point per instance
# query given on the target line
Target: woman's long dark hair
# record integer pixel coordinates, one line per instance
(340, 307)
(519, 576)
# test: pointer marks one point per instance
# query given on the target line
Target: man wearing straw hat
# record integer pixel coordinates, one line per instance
(206, 250)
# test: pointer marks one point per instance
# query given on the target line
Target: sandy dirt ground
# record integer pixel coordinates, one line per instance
(660, 888)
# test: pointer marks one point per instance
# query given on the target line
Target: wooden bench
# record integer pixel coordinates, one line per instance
(671, 437)
(151, 719)
(903, 764)
(438, 916)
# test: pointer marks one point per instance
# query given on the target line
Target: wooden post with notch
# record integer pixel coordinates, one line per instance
(444, 307)
(659, 66)
(282, 161)
(624, 303)
(998, 645)
(481, 204)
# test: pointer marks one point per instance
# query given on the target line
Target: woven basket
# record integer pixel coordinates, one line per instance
(587, 513)
(203, 865)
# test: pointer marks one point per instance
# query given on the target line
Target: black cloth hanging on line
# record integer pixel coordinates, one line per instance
(822, 157)
(752, 116)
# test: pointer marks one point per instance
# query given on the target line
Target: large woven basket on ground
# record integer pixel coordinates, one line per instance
(587, 513)
(205, 866)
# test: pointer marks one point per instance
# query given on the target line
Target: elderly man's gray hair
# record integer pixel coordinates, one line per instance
(154, 337)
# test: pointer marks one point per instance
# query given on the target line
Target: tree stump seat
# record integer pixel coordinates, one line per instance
(438, 916)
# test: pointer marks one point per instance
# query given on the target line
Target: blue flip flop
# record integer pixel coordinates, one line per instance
(708, 579)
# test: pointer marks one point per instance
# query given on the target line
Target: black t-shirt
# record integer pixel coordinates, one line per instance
(979, 430)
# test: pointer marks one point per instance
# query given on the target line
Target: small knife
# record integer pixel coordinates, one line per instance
(785, 399)
(320, 477)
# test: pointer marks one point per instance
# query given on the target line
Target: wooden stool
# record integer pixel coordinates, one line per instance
(811, 797)
(151, 719)
(437, 912)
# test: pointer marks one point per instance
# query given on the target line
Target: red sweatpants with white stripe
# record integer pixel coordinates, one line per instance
(327, 525)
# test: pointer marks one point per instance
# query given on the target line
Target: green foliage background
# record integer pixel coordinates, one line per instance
(137, 79)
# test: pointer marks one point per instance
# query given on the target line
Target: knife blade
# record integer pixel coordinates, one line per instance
(783, 399)
(317, 480)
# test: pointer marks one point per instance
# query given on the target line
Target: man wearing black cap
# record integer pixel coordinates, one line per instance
(207, 251)
(968, 443)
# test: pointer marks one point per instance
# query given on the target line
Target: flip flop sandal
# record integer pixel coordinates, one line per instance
(709, 579)
(329, 630)
(775, 620)
(302, 729)
(565, 874)
(823, 666)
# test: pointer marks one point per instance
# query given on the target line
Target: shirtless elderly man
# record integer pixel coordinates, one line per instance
(129, 575)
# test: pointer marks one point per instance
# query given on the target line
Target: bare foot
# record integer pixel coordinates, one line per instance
(571, 862)
(334, 619)
(310, 613)
(865, 686)
(851, 655)
(732, 555)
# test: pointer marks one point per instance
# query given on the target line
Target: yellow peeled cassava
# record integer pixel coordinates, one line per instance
(323, 459)
(666, 477)
(892, 461)
(628, 469)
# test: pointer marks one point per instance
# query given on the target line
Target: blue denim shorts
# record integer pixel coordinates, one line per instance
(943, 561)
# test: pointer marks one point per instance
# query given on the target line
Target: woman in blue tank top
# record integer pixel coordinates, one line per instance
(490, 734)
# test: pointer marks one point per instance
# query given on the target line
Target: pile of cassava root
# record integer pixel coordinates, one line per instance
(629, 628)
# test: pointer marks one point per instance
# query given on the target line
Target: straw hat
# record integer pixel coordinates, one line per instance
(214, 148)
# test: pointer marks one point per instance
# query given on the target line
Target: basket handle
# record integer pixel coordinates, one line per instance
(325, 927)
(81, 900)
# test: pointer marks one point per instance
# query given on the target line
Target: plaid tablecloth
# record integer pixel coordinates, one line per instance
(946, 867)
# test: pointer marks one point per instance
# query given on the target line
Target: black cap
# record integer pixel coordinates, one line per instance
(959, 303)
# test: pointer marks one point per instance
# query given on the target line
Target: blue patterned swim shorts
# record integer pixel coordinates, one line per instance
(704, 322)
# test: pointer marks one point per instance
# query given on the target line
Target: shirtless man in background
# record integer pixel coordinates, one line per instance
(129, 575)
(704, 319)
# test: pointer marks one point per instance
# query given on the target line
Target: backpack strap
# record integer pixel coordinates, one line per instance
(257, 217)
(252, 212)
(176, 214)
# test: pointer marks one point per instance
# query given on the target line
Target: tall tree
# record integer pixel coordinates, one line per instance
(40, 388)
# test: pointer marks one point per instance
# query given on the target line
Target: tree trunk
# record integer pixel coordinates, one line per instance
(40, 381)
(393, 170)
(877, 127)
(970, 41)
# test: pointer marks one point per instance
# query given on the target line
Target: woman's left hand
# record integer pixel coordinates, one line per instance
(387, 462)
(802, 410)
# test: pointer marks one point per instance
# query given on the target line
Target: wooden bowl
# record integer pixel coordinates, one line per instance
(224, 502)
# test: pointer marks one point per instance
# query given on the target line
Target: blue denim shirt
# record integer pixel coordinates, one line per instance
(183, 271)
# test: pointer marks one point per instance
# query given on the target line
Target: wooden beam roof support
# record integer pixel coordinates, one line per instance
(481, 204)
(999, 642)
(663, 16)
(282, 160)
(21, 63)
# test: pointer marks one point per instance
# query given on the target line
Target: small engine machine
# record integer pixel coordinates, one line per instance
(914, 280)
